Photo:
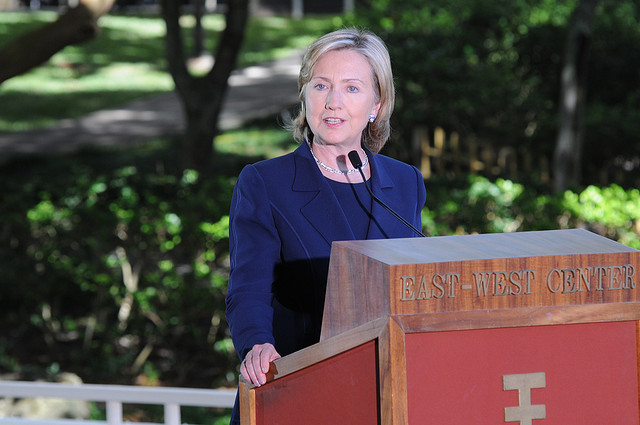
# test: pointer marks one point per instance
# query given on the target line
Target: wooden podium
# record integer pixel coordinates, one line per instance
(522, 328)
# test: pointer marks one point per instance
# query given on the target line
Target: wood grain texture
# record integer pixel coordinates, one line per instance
(392, 369)
(247, 399)
(321, 351)
(372, 279)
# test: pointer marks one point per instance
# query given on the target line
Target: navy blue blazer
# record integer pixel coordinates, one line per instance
(284, 217)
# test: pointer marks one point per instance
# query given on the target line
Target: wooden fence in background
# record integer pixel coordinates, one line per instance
(443, 154)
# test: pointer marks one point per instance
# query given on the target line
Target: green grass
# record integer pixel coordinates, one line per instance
(258, 139)
(125, 62)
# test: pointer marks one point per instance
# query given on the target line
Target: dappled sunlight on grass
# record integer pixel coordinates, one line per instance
(211, 22)
(256, 142)
(146, 26)
(24, 21)
(135, 75)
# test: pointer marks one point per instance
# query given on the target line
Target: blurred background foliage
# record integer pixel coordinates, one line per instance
(491, 70)
(114, 264)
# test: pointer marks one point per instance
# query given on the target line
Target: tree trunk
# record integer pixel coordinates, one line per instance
(568, 152)
(77, 25)
(202, 97)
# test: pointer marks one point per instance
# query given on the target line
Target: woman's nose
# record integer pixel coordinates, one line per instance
(334, 100)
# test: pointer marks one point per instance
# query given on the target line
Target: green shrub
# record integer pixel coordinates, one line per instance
(124, 275)
(478, 205)
(610, 211)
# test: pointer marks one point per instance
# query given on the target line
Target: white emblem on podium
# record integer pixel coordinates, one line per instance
(525, 413)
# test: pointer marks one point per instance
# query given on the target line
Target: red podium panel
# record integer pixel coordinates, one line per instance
(341, 390)
(577, 374)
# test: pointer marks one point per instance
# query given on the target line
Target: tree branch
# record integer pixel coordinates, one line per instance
(77, 25)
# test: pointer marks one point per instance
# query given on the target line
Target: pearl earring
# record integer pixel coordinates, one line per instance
(372, 117)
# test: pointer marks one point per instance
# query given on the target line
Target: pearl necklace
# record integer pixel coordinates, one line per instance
(334, 170)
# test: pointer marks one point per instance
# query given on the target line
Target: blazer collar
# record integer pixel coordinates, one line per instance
(321, 208)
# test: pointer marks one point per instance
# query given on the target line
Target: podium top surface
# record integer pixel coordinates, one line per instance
(441, 249)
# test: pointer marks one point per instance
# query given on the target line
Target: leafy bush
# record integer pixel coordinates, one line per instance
(610, 211)
(122, 274)
(478, 205)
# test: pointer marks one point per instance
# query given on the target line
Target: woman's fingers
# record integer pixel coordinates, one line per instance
(256, 363)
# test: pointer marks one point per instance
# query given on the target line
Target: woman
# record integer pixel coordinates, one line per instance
(287, 211)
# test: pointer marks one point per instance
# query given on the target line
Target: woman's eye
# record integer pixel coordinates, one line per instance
(320, 86)
(352, 89)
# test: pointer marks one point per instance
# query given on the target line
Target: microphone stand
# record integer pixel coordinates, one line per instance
(357, 163)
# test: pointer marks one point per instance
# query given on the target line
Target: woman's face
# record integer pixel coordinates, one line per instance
(339, 98)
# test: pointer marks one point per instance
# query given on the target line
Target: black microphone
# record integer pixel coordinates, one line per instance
(357, 163)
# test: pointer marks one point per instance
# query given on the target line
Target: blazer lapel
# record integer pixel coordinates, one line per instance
(381, 178)
(320, 208)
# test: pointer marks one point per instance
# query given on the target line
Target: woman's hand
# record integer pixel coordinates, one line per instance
(256, 363)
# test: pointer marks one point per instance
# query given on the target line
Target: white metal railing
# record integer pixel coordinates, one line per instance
(114, 396)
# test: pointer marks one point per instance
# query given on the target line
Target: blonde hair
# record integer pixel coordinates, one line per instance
(373, 49)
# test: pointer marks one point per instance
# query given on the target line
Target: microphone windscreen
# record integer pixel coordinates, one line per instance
(355, 159)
